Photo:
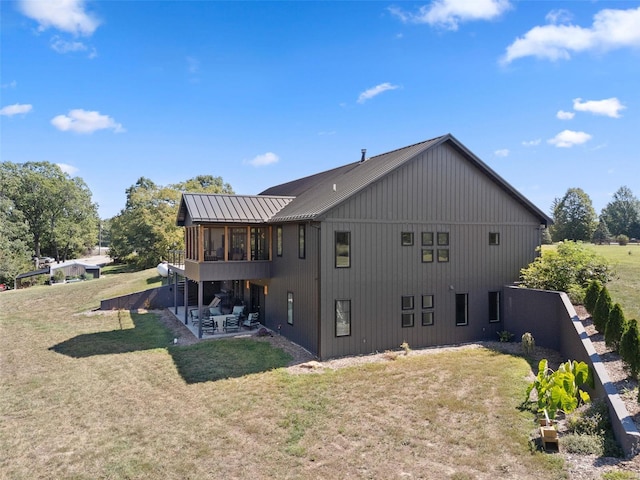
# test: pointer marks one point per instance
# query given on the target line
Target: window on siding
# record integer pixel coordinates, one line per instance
(407, 320)
(407, 302)
(427, 255)
(462, 308)
(427, 310)
(279, 240)
(407, 239)
(343, 249)
(494, 238)
(343, 318)
(443, 238)
(443, 254)
(494, 306)
(301, 241)
(427, 239)
(427, 318)
(290, 308)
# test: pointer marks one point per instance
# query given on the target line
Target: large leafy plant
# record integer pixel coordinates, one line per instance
(560, 390)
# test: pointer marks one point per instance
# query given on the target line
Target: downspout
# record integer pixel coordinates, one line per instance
(319, 292)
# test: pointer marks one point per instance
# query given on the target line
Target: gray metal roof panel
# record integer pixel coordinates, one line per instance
(226, 208)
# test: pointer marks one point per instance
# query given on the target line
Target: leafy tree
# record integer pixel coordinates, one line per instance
(574, 217)
(15, 253)
(602, 234)
(591, 295)
(622, 214)
(602, 310)
(145, 230)
(630, 348)
(615, 327)
(49, 200)
(568, 268)
(546, 237)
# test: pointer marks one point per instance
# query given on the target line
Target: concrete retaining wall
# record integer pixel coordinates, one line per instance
(553, 322)
(154, 298)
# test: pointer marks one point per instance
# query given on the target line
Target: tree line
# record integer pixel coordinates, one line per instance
(45, 212)
(575, 218)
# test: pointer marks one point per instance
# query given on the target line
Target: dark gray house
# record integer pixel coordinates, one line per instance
(412, 245)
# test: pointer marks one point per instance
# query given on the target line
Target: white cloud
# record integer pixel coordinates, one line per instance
(377, 90)
(16, 109)
(609, 107)
(569, 138)
(264, 159)
(61, 45)
(611, 29)
(558, 16)
(503, 152)
(562, 115)
(65, 15)
(66, 168)
(11, 84)
(532, 143)
(83, 121)
(450, 13)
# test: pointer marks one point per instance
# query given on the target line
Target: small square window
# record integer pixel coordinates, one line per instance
(443, 254)
(427, 239)
(427, 301)
(494, 238)
(443, 238)
(407, 320)
(407, 302)
(427, 255)
(427, 319)
(407, 239)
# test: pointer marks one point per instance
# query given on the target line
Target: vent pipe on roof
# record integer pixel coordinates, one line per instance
(364, 152)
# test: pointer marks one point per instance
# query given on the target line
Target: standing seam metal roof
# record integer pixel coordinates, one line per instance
(225, 208)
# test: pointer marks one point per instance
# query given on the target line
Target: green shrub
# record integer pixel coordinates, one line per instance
(568, 268)
(622, 240)
(630, 348)
(58, 277)
(590, 428)
(615, 327)
(583, 444)
(591, 295)
(619, 475)
(602, 310)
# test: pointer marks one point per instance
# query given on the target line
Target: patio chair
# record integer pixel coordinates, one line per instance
(194, 315)
(252, 321)
(231, 324)
(238, 311)
(209, 326)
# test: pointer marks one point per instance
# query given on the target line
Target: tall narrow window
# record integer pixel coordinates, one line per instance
(290, 308)
(427, 310)
(259, 243)
(343, 249)
(238, 246)
(301, 241)
(494, 306)
(279, 240)
(343, 318)
(462, 308)
(494, 238)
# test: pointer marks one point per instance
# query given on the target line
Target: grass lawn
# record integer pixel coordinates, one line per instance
(88, 395)
(625, 288)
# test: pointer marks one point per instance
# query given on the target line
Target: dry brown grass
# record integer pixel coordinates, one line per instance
(132, 415)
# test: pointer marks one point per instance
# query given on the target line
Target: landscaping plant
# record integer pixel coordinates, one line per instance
(591, 295)
(630, 348)
(602, 310)
(615, 327)
(528, 343)
(560, 390)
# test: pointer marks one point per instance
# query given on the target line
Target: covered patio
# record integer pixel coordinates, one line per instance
(194, 328)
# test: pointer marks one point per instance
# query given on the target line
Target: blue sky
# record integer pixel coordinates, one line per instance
(546, 93)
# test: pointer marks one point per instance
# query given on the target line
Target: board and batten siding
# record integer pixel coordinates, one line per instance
(299, 276)
(439, 191)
